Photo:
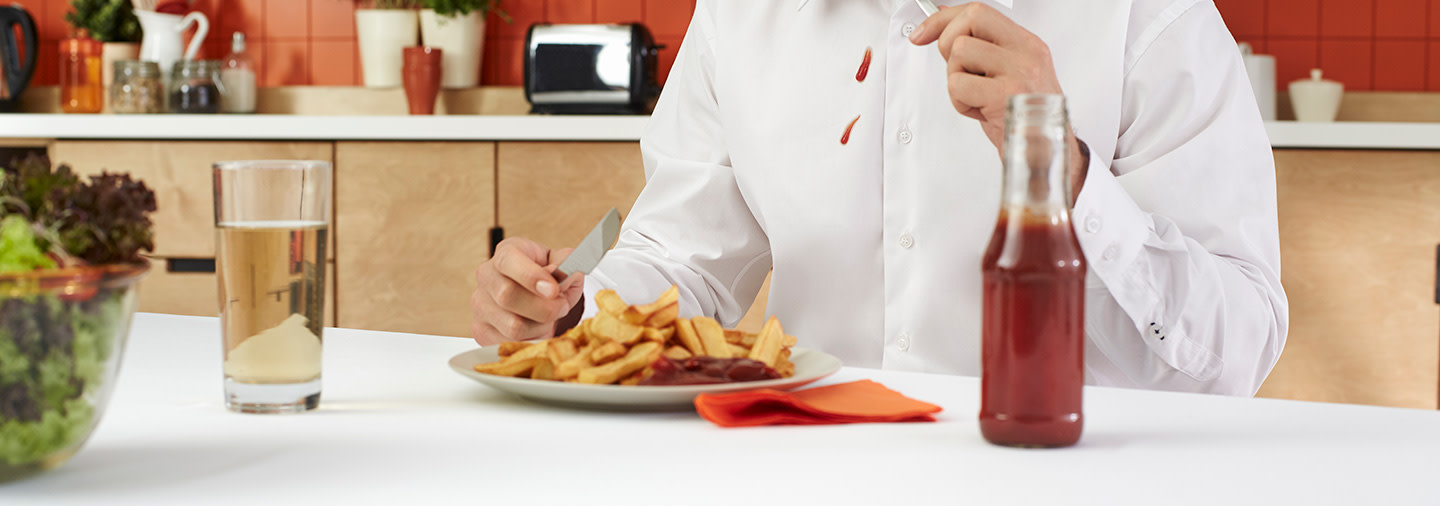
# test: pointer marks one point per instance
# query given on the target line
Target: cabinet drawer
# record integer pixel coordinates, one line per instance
(179, 174)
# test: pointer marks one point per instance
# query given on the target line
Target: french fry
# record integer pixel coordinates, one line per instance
(712, 337)
(738, 351)
(611, 350)
(561, 350)
(609, 302)
(570, 368)
(685, 332)
(634, 379)
(677, 352)
(733, 336)
(749, 339)
(607, 326)
(658, 335)
(784, 366)
(510, 347)
(542, 369)
(767, 346)
(664, 317)
(507, 367)
(639, 356)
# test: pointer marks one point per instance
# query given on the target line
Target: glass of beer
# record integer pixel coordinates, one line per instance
(270, 232)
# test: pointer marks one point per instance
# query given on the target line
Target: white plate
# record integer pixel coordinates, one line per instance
(810, 365)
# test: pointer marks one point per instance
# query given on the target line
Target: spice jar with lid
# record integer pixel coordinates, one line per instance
(138, 88)
(195, 87)
(80, 86)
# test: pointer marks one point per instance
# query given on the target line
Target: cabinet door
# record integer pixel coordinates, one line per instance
(554, 192)
(413, 221)
(180, 175)
(1358, 235)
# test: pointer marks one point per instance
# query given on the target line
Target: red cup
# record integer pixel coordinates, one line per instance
(421, 74)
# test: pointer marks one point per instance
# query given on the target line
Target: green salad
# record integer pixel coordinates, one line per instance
(56, 347)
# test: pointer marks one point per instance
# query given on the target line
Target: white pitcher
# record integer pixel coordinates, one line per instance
(164, 37)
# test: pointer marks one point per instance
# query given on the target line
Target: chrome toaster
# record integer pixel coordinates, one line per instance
(591, 69)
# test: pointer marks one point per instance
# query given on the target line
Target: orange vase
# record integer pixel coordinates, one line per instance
(421, 75)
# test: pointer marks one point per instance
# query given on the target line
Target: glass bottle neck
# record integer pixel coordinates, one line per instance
(1035, 156)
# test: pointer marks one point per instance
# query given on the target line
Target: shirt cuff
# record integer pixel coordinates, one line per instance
(1111, 227)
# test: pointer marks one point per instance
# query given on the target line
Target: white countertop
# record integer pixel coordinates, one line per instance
(1283, 134)
(396, 426)
(285, 127)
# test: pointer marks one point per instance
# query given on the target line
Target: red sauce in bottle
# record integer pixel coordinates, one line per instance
(1033, 333)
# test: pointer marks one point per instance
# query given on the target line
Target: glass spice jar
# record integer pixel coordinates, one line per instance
(80, 88)
(138, 88)
(195, 87)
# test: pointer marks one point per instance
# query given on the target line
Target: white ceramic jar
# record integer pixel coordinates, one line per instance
(1316, 99)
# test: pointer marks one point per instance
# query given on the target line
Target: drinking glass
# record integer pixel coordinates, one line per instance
(270, 235)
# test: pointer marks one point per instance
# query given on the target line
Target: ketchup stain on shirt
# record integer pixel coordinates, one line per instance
(864, 67)
(845, 139)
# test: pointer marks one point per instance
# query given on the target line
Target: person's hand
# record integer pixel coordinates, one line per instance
(989, 58)
(517, 296)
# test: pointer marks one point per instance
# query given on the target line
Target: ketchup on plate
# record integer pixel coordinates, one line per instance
(1033, 314)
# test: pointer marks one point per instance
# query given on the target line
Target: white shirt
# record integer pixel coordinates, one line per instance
(876, 244)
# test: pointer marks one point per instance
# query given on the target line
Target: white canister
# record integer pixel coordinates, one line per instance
(383, 34)
(1316, 99)
(1261, 69)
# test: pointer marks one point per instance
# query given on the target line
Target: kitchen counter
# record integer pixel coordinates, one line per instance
(396, 426)
(1283, 134)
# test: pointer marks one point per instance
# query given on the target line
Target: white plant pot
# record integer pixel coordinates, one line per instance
(383, 34)
(461, 40)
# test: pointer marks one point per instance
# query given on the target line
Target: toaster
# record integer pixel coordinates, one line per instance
(591, 69)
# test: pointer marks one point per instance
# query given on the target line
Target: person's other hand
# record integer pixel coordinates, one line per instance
(988, 59)
(517, 296)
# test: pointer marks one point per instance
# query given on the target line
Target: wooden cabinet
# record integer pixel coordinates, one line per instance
(412, 222)
(554, 192)
(1358, 236)
(180, 175)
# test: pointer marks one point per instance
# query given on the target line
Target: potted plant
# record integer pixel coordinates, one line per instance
(383, 29)
(457, 27)
(70, 257)
(113, 23)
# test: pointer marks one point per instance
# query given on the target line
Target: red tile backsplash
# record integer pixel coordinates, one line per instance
(1400, 65)
(1349, 61)
(1391, 45)
(1347, 18)
(1400, 18)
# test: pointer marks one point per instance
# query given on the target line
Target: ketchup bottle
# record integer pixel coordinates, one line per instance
(1033, 330)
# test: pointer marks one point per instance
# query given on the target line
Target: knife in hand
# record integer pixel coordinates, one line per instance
(589, 252)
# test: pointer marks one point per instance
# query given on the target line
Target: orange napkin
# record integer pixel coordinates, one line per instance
(861, 401)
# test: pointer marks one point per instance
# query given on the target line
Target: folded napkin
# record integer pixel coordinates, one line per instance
(861, 401)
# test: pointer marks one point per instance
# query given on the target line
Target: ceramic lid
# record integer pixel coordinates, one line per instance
(1316, 81)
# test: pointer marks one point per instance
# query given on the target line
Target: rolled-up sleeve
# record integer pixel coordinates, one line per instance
(1180, 227)
(691, 226)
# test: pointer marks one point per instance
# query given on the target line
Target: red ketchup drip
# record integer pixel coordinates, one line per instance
(864, 67)
(845, 139)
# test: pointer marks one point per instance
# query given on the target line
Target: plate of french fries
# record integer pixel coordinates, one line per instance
(608, 360)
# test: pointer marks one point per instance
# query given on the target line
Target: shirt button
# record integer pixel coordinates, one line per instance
(1110, 253)
(903, 343)
(905, 136)
(1092, 225)
(905, 30)
(906, 241)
